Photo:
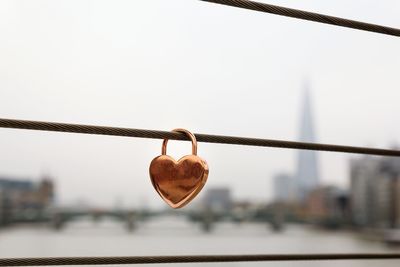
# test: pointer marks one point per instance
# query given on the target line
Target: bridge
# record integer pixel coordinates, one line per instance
(204, 218)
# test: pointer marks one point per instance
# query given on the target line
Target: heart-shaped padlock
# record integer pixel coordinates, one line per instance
(178, 182)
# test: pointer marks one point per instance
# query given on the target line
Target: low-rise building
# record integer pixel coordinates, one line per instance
(327, 205)
(24, 200)
(284, 188)
(218, 199)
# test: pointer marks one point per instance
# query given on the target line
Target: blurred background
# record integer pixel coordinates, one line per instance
(212, 69)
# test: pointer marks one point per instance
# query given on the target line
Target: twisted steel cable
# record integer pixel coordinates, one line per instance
(129, 132)
(189, 259)
(306, 15)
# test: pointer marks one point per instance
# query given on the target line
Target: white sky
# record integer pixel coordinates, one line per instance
(162, 64)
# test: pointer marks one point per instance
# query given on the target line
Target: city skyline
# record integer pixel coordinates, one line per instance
(149, 66)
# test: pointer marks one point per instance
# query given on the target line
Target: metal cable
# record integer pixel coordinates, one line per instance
(129, 132)
(189, 259)
(305, 15)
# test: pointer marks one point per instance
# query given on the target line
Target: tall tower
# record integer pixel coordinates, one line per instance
(307, 161)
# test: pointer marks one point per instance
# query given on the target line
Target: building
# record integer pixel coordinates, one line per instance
(375, 192)
(24, 200)
(284, 188)
(363, 173)
(218, 199)
(327, 205)
(289, 188)
(2, 219)
(390, 172)
(307, 173)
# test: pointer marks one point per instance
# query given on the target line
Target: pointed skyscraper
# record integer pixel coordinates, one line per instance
(307, 174)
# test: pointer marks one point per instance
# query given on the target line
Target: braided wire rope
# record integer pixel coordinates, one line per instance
(190, 259)
(156, 134)
(306, 15)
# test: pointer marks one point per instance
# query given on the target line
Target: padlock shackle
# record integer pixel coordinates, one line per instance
(189, 134)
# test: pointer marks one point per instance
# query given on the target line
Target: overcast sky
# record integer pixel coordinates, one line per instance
(162, 64)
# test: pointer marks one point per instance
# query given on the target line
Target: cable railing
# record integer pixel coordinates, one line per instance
(157, 134)
(220, 139)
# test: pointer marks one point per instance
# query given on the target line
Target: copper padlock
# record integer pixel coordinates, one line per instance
(178, 182)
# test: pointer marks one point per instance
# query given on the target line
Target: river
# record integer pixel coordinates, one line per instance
(174, 236)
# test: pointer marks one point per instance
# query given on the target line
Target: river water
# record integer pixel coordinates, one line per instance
(175, 236)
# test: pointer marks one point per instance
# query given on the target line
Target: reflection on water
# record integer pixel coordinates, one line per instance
(174, 236)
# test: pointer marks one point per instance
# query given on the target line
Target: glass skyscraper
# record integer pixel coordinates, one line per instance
(307, 173)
